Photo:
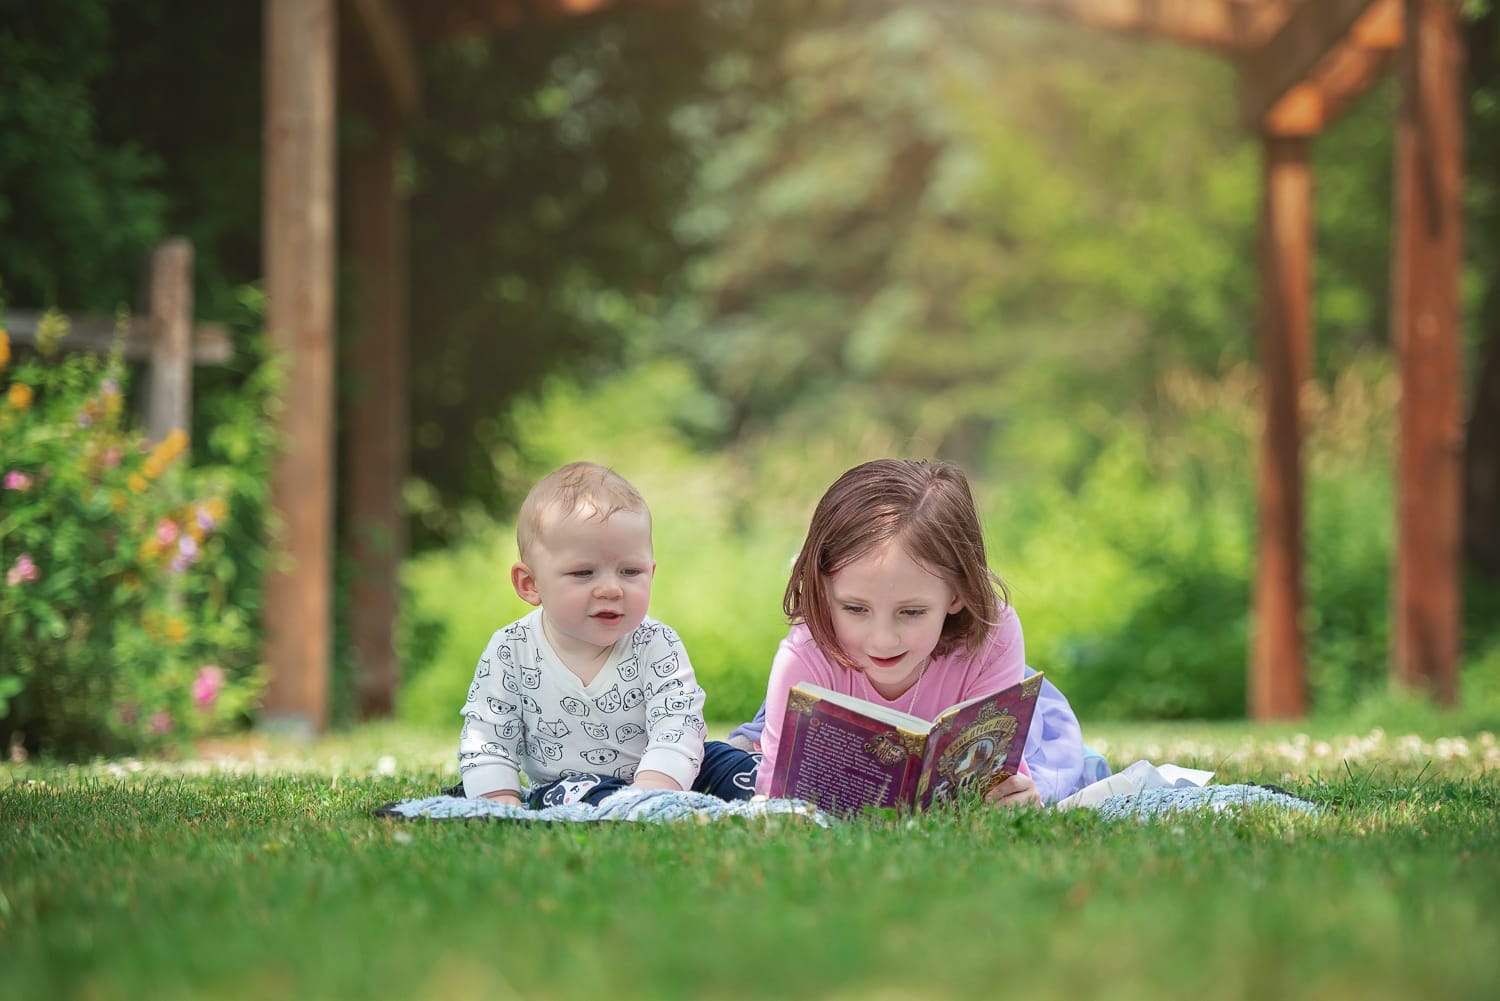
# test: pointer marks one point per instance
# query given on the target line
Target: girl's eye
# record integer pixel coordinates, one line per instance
(854, 609)
(913, 612)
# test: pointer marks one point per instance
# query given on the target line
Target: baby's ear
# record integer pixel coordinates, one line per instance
(525, 584)
(955, 605)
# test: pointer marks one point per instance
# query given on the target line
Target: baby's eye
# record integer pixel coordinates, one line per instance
(580, 573)
(630, 572)
(913, 613)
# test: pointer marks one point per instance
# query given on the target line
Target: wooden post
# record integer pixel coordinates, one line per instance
(169, 377)
(298, 245)
(1278, 689)
(1429, 258)
(376, 414)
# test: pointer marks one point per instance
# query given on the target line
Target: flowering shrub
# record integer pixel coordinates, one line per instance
(119, 624)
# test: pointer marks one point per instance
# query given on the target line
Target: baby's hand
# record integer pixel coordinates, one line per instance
(1018, 790)
(507, 796)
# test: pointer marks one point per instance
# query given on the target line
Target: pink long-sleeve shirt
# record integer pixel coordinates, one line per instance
(950, 679)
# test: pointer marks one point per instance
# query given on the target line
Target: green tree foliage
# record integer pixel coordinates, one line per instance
(77, 211)
(546, 172)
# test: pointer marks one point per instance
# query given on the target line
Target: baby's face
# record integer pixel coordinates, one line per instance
(594, 578)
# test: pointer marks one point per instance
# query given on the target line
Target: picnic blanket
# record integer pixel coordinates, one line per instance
(637, 805)
(661, 805)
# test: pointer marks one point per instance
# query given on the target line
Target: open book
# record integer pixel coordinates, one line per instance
(846, 754)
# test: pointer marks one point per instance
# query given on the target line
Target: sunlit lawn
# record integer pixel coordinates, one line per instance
(256, 870)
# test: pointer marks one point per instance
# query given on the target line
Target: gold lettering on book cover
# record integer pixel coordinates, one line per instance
(885, 748)
(981, 752)
(801, 702)
(1031, 686)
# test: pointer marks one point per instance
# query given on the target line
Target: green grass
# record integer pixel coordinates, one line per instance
(256, 871)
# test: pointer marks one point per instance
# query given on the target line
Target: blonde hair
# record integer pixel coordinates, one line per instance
(584, 488)
(927, 506)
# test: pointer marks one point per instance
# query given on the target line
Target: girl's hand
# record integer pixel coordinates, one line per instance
(1018, 790)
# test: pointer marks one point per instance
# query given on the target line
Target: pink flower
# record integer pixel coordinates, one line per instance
(17, 480)
(24, 572)
(112, 457)
(161, 722)
(207, 684)
(166, 531)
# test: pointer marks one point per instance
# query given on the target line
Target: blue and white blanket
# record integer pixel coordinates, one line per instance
(660, 805)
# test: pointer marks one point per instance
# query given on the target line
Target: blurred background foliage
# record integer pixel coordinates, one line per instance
(733, 248)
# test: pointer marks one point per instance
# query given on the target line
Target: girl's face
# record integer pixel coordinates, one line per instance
(888, 613)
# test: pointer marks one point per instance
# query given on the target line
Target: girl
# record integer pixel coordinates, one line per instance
(892, 601)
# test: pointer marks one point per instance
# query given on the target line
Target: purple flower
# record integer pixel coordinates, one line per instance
(24, 572)
(207, 684)
(17, 480)
(187, 554)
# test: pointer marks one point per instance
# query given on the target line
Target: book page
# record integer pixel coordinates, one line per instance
(885, 714)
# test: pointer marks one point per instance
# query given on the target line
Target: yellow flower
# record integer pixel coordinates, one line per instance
(137, 483)
(176, 630)
(147, 551)
(4, 350)
(19, 395)
(116, 501)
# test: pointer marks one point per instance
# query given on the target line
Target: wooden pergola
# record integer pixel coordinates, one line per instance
(1300, 62)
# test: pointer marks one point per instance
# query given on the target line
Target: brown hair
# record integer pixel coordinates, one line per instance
(578, 487)
(927, 506)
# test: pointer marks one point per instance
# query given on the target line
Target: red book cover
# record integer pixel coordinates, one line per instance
(845, 754)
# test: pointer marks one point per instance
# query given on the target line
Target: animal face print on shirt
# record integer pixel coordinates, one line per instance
(508, 682)
(679, 703)
(630, 669)
(575, 707)
(634, 697)
(626, 772)
(670, 736)
(484, 669)
(473, 691)
(531, 677)
(610, 701)
(667, 666)
(599, 731)
(628, 731)
(530, 705)
(500, 708)
(600, 755)
(509, 730)
(557, 729)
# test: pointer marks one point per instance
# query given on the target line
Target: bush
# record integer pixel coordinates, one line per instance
(122, 619)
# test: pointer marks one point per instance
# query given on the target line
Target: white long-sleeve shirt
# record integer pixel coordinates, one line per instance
(527, 712)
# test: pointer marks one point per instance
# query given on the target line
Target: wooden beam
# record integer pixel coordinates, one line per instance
(298, 244)
(1225, 25)
(211, 343)
(1277, 684)
(1428, 266)
(389, 42)
(1298, 53)
(376, 415)
(169, 378)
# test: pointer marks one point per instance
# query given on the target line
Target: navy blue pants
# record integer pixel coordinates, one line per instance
(727, 772)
